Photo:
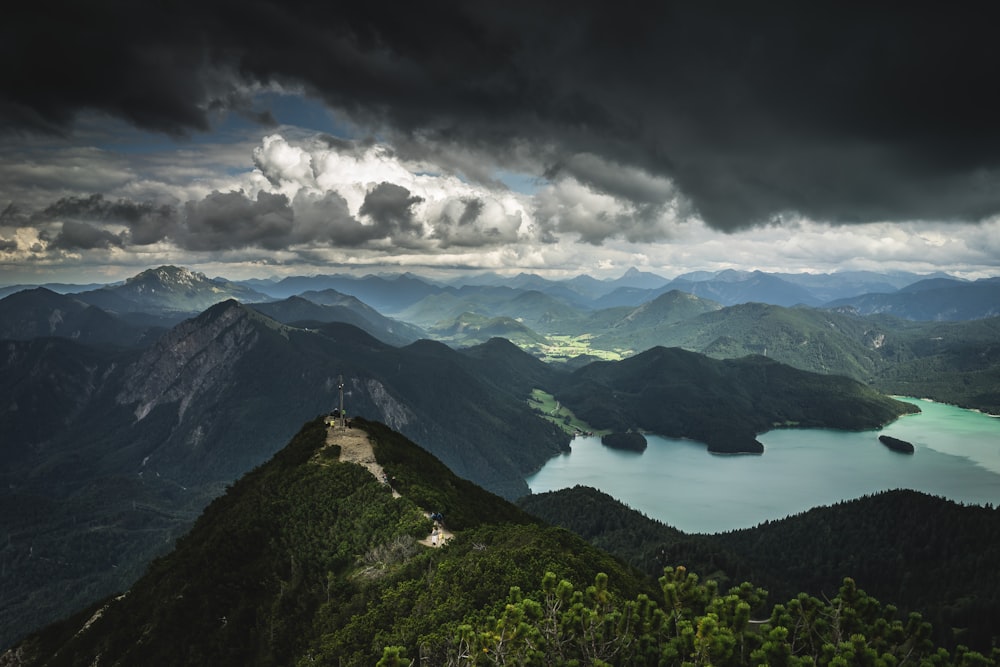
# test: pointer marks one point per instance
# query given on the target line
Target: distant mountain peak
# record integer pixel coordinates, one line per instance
(636, 278)
(168, 289)
(168, 274)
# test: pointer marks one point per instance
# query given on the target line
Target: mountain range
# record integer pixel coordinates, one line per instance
(171, 289)
(122, 421)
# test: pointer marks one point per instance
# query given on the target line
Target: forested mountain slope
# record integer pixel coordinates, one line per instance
(38, 313)
(725, 404)
(921, 552)
(307, 560)
(109, 454)
(938, 300)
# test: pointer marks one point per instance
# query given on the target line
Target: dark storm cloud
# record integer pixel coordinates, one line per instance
(147, 222)
(231, 220)
(227, 221)
(327, 219)
(13, 215)
(473, 209)
(390, 207)
(81, 236)
(348, 147)
(847, 112)
(8, 245)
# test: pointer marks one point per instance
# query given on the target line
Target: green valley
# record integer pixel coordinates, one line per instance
(558, 414)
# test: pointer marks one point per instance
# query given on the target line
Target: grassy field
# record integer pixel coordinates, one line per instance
(559, 415)
(563, 346)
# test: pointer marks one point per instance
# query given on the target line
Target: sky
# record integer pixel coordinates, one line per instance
(276, 137)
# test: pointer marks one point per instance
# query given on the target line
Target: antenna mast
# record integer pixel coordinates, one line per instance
(343, 422)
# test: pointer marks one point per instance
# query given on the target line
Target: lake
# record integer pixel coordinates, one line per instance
(957, 456)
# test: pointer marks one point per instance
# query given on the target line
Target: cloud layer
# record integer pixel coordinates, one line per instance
(307, 195)
(305, 203)
(733, 114)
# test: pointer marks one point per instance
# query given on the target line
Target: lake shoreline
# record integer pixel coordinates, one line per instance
(958, 458)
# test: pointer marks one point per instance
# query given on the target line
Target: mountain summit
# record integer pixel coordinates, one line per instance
(168, 289)
(303, 558)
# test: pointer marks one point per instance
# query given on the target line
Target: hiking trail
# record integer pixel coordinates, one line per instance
(355, 447)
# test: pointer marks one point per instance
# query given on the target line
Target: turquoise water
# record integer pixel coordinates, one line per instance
(957, 456)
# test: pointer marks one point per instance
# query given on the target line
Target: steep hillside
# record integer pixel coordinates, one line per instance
(806, 338)
(950, 362)
(932, 300)
(119, 450)
(504, 365)
(309, 560)
(646, 325)
(38, 312)
(725, 404)
(47, 385)
(216, 385)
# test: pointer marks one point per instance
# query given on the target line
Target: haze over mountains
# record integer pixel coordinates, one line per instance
(127, 408)
(183, 290)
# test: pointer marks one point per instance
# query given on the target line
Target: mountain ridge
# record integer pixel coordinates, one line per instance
(311, 560)
(170, 425)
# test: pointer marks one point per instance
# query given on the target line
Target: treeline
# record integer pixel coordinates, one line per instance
(921, 552)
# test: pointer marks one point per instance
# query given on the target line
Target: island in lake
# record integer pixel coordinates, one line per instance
(632, 441)
(895, 444)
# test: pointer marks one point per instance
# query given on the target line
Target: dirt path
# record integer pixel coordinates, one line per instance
(439, 535)
(355, 447)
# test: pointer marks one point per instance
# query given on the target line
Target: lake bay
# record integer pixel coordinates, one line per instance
(957, 456)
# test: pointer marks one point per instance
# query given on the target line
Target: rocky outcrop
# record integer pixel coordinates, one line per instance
(393, 413)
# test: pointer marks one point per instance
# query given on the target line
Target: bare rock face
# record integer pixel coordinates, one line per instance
(189, 361)
(394, 414)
